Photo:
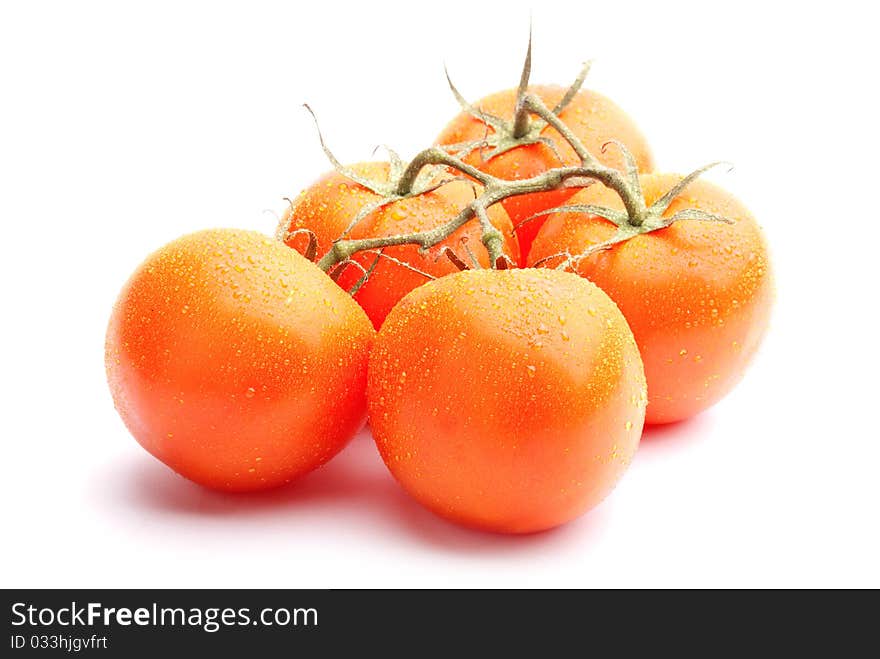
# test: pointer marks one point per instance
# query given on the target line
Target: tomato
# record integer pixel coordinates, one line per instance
(331, 203)
(593, 118)
(509, 400)
(697, 295)
(236, 362)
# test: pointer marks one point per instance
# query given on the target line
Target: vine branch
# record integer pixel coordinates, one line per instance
(409, 180)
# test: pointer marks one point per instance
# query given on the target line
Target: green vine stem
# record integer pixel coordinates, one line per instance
(494, 190)
(424, 174)
(521, 112)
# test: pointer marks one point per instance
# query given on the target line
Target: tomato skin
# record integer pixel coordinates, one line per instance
(697, 295)
(510, 401)
(236, 362)
(593, 118)
(329, 205)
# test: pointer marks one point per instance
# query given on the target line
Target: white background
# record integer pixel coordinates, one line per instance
(124, 125)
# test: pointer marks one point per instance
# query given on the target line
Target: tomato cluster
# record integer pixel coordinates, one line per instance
(508, 309)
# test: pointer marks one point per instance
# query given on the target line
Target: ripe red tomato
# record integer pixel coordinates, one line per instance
(236, 362)
(593, 118)
(697, 295)
(510, 400)
(329, 205)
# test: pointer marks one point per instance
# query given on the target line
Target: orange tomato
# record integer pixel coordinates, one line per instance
(593, 118)
(697, 295)
(509, 400)
(236, 362)
(329, 205)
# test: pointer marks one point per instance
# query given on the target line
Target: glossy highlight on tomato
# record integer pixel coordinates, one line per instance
(509, 401)
(697, 295)
(236, 362)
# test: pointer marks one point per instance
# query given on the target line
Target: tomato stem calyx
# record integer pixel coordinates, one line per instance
(524, 129)
(653, 219)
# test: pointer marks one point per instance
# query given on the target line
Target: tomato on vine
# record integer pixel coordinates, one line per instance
(360, 201)
(505, 399)
(236, 362)
(498, 135)
(509, 400)
(693, 280)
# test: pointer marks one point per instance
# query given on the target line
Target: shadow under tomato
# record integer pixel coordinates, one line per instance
(677, 435)
(663, 447)
(355, 477)
(355, 487)
(155, 487)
